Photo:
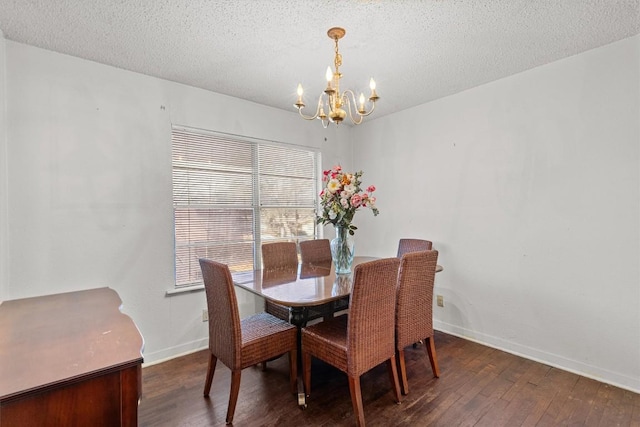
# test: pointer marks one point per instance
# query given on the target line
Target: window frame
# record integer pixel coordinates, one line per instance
(257, 207)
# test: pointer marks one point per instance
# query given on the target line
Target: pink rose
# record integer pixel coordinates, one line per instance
(371, 188)
(356, 200)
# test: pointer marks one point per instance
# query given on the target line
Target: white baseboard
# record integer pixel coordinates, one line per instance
(173, 352)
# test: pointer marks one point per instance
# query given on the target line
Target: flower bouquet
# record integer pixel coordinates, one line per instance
(340, 199)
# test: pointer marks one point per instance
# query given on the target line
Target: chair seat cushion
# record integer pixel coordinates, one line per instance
(327, 341)
(265, 336)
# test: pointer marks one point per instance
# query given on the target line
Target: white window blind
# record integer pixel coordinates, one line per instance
(232, 193)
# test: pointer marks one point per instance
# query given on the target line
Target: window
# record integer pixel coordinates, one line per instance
(232, 193)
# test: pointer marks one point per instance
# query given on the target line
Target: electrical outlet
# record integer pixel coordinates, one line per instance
(205, 315)
(440, 300)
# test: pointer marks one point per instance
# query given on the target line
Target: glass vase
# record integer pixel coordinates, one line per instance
(342, 250)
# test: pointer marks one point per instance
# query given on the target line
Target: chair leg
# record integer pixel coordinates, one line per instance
(210, 370)
(393, 375)
(403, 372)
(431, 351)
(306, 373)
(356, 400)
(293, 369)
(233, 394)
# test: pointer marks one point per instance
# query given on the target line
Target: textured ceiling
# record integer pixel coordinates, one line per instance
(259, 50)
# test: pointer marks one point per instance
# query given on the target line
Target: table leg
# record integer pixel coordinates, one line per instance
(299, 316)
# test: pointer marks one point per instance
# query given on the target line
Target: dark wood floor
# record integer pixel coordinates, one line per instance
(478, 386)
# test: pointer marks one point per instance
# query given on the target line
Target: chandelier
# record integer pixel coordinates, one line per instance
(338, 104)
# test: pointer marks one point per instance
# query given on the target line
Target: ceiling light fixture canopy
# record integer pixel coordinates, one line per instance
(332, 100)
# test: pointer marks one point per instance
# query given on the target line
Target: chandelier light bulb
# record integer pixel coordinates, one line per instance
(372, 84)
(299, 103)
(329, 74)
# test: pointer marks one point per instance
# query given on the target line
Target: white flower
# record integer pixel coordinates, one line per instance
(344, 203)
(349, 189)
(333, 185)
(332, 215)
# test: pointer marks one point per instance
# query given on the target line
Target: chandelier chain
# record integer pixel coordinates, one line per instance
(338, 58)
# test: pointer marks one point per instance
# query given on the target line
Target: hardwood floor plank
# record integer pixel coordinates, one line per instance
(561, 406)
(597, 405)
(530, 373)
(478, 386)
(584, 392)
(618, 409)
(494, 416)
(635, 414)
(471, 400)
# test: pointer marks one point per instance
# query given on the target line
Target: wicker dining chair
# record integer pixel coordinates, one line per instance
(365, 338)
(279, 256)
(241, 343)
(413, 245)
(414, 305)
(318, 252)
(315, 251)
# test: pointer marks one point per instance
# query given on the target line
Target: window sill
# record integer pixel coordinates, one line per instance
(184, 289)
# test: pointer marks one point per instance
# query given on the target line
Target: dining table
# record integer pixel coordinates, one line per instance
(301, 289)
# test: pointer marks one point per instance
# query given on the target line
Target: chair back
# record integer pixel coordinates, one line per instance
(279, 255)
(371, 324)
(414, 302)
(315, 251)
(413, 245)
(225, 333)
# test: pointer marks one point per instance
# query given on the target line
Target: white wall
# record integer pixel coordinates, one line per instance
(89, 173)
(530, 189)
(4, 197)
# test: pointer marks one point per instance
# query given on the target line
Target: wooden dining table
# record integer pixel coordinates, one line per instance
(307, 286)
(300, 289)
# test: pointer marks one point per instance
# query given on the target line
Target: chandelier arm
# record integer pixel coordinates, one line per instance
(373, 107)
(317, 113)
(359, 112)
(347, 101)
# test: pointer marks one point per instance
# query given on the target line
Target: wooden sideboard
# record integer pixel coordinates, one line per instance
(71, 359)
